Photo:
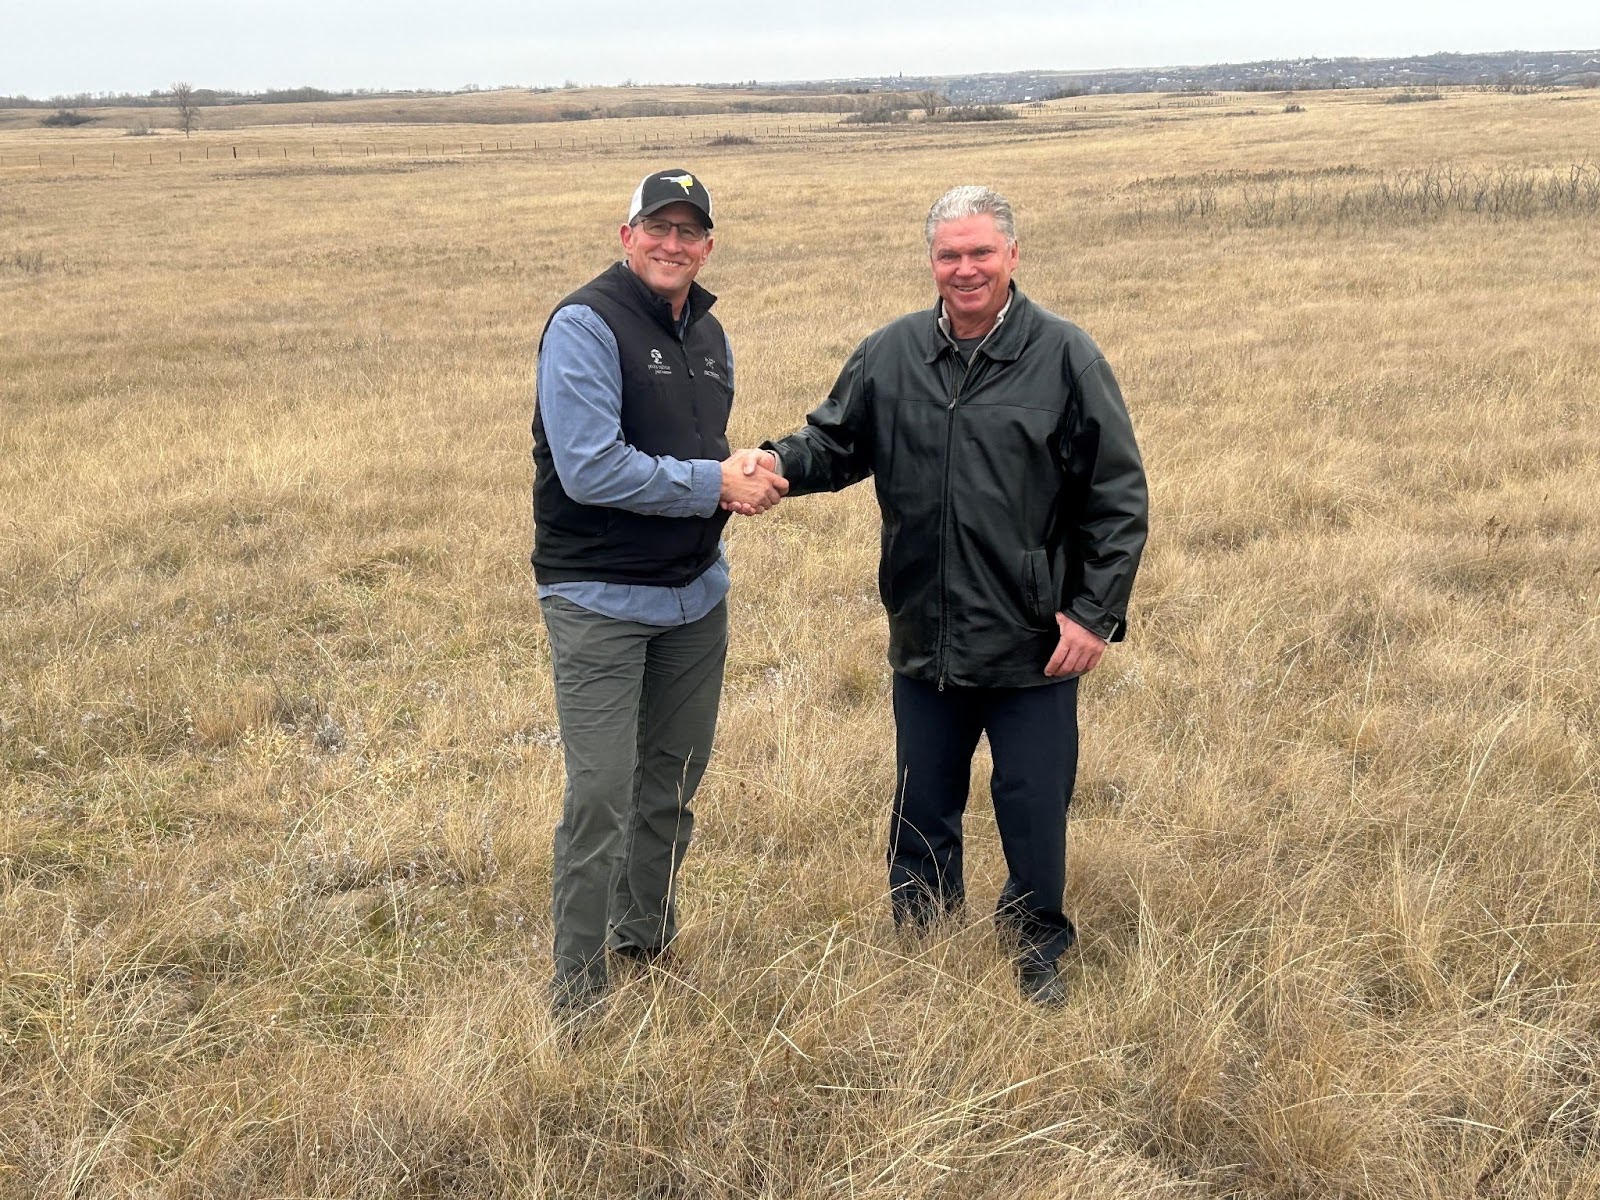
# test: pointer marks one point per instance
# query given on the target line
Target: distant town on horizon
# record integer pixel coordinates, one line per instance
(1544, 68)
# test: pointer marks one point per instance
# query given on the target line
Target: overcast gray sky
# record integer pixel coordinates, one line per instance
(51, 49)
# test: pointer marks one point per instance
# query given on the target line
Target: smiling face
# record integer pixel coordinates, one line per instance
(972, 265)
(668, 264)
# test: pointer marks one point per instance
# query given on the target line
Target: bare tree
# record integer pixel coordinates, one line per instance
(930, 102)
(188, 113)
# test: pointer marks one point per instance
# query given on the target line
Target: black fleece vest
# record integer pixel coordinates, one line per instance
(675, 400)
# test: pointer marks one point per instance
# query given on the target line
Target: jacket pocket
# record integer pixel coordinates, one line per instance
(886, 567)
(1038, 592)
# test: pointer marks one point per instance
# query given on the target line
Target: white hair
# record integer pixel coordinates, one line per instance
(970, 200)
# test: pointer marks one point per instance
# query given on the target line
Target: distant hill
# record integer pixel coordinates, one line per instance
(1508, 68)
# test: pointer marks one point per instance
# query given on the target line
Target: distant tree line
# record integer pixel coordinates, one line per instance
(188, 99)
(206, 97)
(893, 108)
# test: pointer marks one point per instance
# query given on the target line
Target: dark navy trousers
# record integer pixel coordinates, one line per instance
(1033, 739)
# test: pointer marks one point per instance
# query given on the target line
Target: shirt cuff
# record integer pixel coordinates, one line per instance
(706, 480)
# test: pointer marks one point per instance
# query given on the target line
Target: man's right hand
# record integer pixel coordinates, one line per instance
(749, 486)
(749, 460)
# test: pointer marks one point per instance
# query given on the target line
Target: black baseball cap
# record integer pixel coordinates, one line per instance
(672, 186)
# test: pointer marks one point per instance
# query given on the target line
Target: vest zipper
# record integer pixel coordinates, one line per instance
(682, 344)
(944, 515)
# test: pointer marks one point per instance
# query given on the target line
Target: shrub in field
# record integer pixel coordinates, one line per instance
(1409, 97)
(66, 118)
(1509, 192)
(23, 262)
(978, 112)
(731, 139)
(1294, 108)
(875, 112)
(1416, 194)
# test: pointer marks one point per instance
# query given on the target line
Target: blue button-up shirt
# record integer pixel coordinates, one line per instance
(580, 399)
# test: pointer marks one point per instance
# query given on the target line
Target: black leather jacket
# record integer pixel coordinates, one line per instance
(1011, 489)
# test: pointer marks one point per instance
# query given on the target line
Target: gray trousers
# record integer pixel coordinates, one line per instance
(638, 708)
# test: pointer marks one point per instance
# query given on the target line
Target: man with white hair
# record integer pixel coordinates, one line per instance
(1014, 514)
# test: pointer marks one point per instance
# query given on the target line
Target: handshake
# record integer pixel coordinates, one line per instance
(751, 483)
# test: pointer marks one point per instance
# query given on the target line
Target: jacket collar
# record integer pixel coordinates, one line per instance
(696, 306)
(1005, 340)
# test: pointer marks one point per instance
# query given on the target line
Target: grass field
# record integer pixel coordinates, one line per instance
(278, 760)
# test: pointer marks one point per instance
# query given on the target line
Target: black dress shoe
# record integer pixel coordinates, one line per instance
(1041, 983)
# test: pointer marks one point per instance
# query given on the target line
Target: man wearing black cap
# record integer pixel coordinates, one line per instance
(632, 485)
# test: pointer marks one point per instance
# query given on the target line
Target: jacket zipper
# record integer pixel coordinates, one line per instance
(944, 515)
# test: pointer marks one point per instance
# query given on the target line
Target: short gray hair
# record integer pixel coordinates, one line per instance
(970, 200)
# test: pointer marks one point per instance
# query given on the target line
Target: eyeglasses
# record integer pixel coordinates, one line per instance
(657, 228)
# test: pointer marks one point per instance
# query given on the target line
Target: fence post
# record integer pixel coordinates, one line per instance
(236, 152)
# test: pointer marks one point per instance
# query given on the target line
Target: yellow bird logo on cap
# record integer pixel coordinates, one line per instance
(684, 181)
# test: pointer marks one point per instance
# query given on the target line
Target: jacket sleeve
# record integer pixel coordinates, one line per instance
(835, 448)
(1108, 512)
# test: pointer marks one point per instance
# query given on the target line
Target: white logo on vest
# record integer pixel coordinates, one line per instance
(657, 367)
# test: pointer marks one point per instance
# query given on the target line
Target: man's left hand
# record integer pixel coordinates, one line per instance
(1078, 651)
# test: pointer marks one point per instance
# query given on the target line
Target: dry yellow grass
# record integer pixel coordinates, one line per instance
(278, 748)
